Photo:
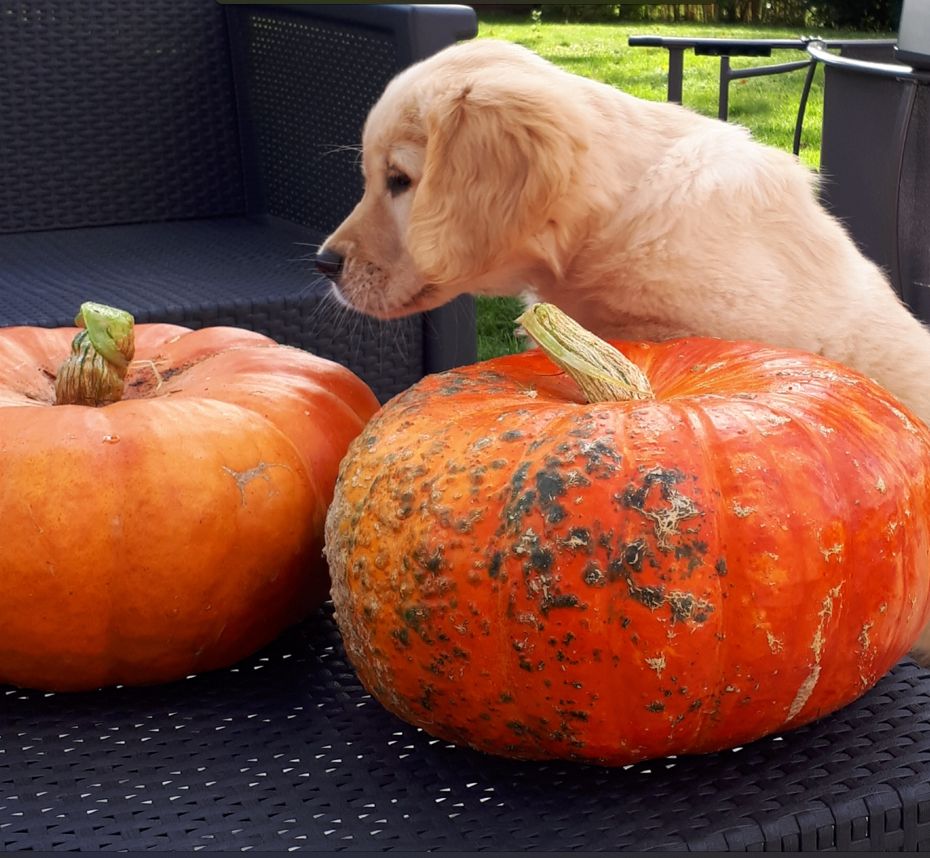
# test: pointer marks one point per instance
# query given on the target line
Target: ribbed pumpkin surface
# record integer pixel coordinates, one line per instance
(520, 571)
(177, 530)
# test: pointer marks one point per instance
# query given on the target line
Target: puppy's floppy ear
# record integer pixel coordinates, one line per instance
(501, 150)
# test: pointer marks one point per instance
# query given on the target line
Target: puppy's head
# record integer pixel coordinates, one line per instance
(466, 157)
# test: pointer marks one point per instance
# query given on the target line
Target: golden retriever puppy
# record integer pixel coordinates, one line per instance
(489, 170)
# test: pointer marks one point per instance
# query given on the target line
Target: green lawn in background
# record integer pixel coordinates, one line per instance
(767, 106)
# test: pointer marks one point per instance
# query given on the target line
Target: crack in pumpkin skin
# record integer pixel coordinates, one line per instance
(574, 617)
(817, 645)
(243, 478)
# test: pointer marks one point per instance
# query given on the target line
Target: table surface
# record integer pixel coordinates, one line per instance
(287, 751)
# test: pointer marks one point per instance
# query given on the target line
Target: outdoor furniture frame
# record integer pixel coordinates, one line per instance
(286, 751)
(727, 48)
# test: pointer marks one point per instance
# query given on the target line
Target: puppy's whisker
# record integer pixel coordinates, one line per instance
(398, 332)
(312, 286)
(327, 318)
(336, 148)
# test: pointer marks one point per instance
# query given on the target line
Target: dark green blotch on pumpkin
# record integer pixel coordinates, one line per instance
(576, 714)
(541, 559)
(593, 576)
(560, 600)
(550, 486)
(651, 597)
(634, 497)
(579, 539)
(430, 562)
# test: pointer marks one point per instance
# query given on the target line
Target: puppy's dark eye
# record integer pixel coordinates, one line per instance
(397, 183)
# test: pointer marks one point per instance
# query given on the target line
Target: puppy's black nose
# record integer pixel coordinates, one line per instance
(329, 262)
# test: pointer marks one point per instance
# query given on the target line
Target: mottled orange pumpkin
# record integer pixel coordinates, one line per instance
(521, 571)
(174, 531)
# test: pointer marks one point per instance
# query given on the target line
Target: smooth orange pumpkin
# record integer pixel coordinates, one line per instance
(522, 571)
(174, 531)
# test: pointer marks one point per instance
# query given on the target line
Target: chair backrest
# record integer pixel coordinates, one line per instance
(875, 165)
(116, 111)
(914, 34)
(305, 84)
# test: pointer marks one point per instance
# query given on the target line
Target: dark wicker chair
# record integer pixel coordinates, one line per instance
(183, 159)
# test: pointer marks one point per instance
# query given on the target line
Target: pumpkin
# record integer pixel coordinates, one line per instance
(177, 529)
(738, 547)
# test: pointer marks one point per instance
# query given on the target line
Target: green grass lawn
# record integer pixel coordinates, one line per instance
(767, 106)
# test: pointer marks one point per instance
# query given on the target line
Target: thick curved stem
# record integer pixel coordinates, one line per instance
(100, 355)
(602, 372)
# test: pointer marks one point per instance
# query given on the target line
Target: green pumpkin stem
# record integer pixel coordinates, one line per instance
(100, 355)
(602, 372)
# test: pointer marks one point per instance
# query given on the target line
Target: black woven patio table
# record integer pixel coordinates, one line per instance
(286, 751)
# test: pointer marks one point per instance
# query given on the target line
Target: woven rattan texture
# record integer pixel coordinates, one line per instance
(914, 207)
(287, 751)
(122, 114)
(309, 88)
(229, 271)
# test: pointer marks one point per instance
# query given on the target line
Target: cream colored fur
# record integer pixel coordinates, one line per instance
(640, 219)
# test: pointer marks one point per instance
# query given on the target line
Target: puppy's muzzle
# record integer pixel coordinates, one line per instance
(329, 263)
